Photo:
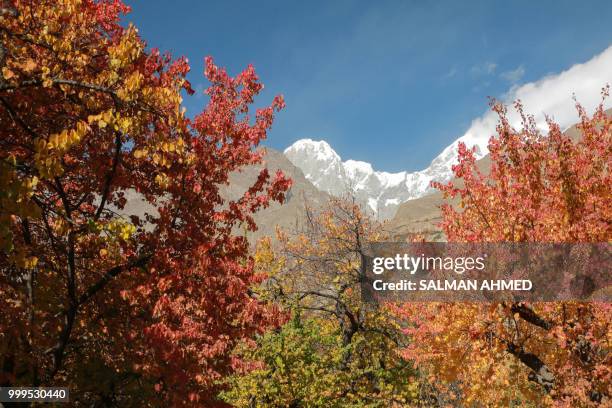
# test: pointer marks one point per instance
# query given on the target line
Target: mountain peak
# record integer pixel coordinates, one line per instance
(380, 192)
(319, 148)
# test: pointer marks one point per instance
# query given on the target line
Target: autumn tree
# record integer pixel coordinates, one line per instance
(337, 350)
(124, 308)
(542, 187)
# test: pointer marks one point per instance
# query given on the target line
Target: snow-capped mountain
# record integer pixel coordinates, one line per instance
(379, 191)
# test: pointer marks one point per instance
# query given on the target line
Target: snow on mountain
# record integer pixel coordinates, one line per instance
(381, 192)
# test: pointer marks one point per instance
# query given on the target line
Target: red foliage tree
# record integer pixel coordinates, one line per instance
(541, 188)
(121, 306)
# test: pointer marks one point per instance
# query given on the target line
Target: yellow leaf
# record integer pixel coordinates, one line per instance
(7, 73)
(29, 65)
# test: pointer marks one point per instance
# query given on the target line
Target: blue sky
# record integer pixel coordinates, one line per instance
(388, 82)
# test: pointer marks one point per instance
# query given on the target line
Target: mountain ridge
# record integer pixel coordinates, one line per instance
(379, 191)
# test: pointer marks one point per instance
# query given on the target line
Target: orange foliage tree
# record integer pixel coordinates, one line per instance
(121, 306)
(541, 188)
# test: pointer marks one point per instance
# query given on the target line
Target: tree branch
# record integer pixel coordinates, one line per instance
(540, 372)
(17, 119)
(109, 176)
(58, 81)
(70, 314)
(529, 315)
(139, 261)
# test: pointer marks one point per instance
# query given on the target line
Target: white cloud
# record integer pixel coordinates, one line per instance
(451, 73)
(481, 86)
(486, 68)
(200, 90)
(552, 96)
(514, 75)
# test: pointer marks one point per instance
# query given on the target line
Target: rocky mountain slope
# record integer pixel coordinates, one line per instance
(291, 214)
(422, 215)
